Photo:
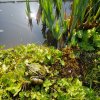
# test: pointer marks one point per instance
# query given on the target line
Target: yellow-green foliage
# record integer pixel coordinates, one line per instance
(12, 78)
(86, 39)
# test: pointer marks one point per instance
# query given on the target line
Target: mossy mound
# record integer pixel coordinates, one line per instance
(55, 86)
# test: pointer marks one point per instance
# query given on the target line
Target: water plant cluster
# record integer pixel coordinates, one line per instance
(87, 40)
(85, 15)
(60, 27)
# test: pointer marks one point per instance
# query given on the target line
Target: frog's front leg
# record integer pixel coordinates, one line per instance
(25, 85)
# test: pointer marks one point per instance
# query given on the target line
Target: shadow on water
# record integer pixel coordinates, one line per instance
(17, 28)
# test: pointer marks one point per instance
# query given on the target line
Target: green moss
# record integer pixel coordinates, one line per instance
(14, 84)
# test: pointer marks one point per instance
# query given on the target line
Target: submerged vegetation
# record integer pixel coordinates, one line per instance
(34, 72)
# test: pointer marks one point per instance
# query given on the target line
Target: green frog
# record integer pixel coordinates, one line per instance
(36, 73)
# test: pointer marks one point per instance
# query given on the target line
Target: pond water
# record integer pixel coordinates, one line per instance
(14, 26)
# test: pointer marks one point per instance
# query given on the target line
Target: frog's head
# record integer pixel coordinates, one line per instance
(36, 69)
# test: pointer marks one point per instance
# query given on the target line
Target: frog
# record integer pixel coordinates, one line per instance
(36, 72)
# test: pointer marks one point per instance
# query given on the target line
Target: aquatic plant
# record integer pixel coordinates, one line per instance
(78, 12)
(53, 17)
(85, 15)
(87, 40)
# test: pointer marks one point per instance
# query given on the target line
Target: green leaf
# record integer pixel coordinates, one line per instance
(47, 83)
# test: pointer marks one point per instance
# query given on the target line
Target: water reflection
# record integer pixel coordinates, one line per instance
(0, 10)
(38, 16)
(14, 28)
(28, 13)
(1, 30)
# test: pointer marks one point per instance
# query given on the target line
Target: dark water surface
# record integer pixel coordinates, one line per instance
(14, 27)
